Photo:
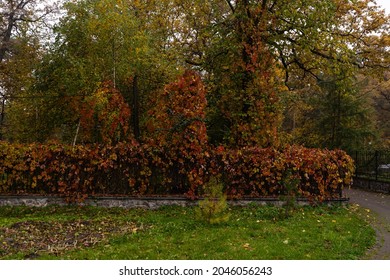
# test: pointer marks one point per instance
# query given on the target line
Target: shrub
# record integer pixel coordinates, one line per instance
(213, 209)
(177, 127)
(252, 171)
(290, 182)
(138, 170)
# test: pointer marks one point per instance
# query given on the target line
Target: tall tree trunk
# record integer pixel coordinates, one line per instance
(135, 111)
(338, 121)
(7, 36)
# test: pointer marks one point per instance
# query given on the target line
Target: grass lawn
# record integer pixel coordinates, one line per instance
(252, 232)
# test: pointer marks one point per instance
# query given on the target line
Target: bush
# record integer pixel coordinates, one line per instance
(213, 209)
(140, 170)
(260, 172)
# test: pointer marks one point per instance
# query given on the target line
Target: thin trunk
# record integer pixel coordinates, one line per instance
(135, 111)
(338, 123)
(37, 131)
(2, 113)
(77, 133)
(333, 119)
(243, 21)
(114, 61)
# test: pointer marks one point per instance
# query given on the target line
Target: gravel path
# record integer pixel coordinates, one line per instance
(379, 206)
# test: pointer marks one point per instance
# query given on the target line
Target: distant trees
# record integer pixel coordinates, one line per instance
(336, 112)
(380, 88)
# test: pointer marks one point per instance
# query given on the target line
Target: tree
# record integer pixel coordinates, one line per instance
(336, 113)
(20, 39)
(250, 41)
(250, 53)
(177, 124)
(379, 87)
(15, 14)
(105, 116)
(250, 97)
(96, 42)
(16, 80)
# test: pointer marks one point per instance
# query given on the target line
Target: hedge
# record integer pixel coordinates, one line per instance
(312, 173)
(78, 172)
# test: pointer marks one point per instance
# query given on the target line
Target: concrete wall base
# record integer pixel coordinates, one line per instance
(369, 185)
(145, 203)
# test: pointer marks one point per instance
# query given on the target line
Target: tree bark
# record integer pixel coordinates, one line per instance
(77, 134)
(7, 36)
(135, 111)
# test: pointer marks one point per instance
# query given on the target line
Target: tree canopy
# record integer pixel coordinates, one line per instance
(273, 71)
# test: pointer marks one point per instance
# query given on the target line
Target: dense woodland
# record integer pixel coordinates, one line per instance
(245, 72)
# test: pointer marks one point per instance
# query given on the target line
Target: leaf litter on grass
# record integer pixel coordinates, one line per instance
(33, 238)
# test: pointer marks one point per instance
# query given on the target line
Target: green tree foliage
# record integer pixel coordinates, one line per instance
(96, 42)
(254, 56)
(336, 112)
(328, 104)
(381, 88)
(254, 46)
(22, 25)
(16, 81)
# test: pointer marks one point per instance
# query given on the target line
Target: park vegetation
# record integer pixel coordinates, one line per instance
(157, 97)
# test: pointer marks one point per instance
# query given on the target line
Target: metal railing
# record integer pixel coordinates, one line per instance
(373, 165)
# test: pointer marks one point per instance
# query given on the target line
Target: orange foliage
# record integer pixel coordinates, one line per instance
(105, 115)
(131, 169)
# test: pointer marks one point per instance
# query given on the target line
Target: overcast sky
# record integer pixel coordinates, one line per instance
(385, 4)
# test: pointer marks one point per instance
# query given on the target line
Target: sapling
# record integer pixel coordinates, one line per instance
(213, 209)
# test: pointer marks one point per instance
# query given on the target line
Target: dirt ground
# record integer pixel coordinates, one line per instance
(378, 205)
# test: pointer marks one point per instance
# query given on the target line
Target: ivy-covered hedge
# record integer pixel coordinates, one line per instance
(312, 173)
(141, 170)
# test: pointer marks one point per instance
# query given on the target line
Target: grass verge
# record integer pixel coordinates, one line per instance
(252, 232)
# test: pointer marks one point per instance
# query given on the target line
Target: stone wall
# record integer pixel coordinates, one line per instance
(146, 203)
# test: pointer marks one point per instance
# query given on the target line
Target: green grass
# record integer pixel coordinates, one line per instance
(173, 233)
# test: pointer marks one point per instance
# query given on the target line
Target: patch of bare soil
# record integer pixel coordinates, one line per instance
(33, 238)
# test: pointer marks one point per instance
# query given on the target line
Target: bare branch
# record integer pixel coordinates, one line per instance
(231, 6)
